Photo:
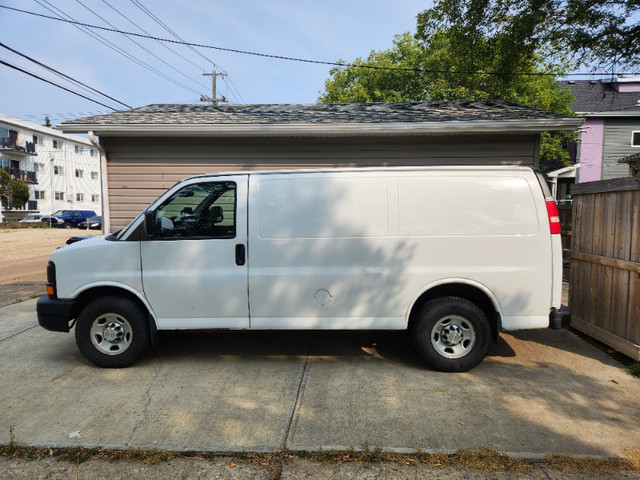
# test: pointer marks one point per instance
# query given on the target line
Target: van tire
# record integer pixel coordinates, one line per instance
(451, 334)
(112, 332)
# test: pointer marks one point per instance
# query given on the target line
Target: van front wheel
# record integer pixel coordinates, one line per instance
(451, 334)
(112, 332)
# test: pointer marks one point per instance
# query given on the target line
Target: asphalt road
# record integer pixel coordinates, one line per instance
(537, 392)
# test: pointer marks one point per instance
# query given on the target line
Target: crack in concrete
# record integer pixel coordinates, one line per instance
(145, 413)
(291, 416)
(18, 333)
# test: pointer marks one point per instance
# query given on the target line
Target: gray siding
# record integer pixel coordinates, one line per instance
(617, 145)
(140, 169)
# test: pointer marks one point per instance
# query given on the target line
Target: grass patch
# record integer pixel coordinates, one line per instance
(634, 369)
(632, 456)
(607, 465)
(484, 460)
(76, 455)
(11, 447)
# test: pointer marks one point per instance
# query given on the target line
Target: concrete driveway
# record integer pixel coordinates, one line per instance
(537, 392)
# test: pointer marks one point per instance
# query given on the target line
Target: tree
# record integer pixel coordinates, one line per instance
(392, 79)
(596, 33)
(13, 193)
(20, 193)
(445, 67)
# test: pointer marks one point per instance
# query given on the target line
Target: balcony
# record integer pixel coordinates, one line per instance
(24, 175)
(8, 145)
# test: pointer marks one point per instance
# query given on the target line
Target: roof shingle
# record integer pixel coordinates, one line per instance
(282, 114)
(597, 96)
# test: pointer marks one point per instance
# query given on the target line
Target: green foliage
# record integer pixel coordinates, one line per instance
(447, 67)
(600, 33)
(20, 193)
(11, 447)
(12, 192)
(392, 77)
(5, 188)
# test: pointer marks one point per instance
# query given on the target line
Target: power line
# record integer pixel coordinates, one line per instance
(63, 75)
(148, 12)
(143, 30)
(304, 60)
(106, 42)
(55, 84)
(151, 15)
(142, 47)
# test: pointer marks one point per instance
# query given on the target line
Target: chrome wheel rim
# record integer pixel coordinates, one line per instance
(111, 334)
(453, 336)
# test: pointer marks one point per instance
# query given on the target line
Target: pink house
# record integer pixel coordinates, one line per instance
(611, 130)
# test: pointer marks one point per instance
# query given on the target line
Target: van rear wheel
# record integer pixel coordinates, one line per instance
(451, 334)
(112, 332)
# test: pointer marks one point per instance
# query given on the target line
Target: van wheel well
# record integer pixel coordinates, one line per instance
(461, 290)
(90, 295)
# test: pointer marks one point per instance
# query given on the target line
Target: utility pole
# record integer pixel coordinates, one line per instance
(214, 100)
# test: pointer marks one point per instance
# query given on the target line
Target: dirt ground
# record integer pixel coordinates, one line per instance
(23, 260)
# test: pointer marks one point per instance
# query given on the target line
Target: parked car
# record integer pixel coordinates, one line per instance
(33, 218)
(453, 255)
(95, 223)
(67, 218)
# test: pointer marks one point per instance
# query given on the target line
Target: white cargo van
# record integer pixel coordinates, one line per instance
(453, 254)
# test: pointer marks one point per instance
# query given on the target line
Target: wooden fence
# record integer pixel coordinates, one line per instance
(604, 288)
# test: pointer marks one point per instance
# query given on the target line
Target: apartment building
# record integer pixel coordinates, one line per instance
(62, 171)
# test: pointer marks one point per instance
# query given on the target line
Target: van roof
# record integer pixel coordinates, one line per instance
(431, 168)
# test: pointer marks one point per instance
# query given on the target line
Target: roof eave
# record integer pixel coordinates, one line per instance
(618, 113)
(333, 129)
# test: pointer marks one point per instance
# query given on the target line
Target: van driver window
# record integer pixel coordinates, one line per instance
(202, 210)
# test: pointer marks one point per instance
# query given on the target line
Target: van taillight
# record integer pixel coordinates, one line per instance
(554, 217)
(51, 280)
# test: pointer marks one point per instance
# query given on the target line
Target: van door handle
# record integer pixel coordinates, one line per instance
(240, 255)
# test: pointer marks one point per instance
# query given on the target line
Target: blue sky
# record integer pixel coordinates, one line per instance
(326, 30)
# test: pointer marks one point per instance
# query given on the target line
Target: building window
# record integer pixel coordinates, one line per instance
(38, 167)
(57, 144)
(78, 148)
(39, 194)
(59, 195)
(92, 152)
(35, 139)
(79, 173)
(635, 139)
(79, 197)
(58, 170)
(94, 175)
(95, 197)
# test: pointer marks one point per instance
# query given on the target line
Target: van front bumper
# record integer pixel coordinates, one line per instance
(559, 317)
(54, 314)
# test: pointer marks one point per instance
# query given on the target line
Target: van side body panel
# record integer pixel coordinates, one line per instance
(95, 262)
(353, 250)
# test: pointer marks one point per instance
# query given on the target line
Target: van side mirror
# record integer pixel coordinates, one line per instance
(149, 223)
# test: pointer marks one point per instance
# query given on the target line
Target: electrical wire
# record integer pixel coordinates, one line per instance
(142, 47)
(67, 77)
(150, 14)
(316, 62)
(143, 30)
(107, 43)
(7, 64)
